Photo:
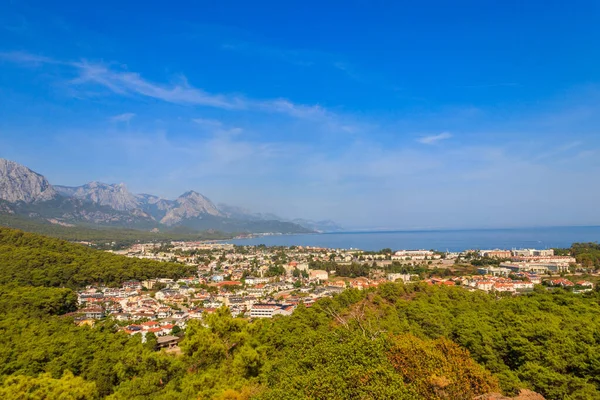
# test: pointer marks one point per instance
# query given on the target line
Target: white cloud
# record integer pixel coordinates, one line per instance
(21, 57)
(433, 139)
(131, 83)
(126, 83)
(125, 117)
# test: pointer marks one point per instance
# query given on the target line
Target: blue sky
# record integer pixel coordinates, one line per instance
(374, 114)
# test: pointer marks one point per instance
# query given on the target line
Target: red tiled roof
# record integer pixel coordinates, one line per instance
(229, 283)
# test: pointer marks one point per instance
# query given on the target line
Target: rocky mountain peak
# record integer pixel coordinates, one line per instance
(19, 183)
(191, 204)
(115, 196)
(191, 194)
(25, 192)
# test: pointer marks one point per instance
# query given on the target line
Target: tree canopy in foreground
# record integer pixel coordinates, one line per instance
(393, 342)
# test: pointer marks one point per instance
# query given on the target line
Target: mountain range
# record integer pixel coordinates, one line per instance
(26, 193)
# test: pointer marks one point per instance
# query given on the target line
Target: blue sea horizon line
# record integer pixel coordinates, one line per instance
(374, 231)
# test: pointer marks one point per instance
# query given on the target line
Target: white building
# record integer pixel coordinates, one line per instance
(395, 277)
(484, 285)
(264, 310)
(415, 255)
(533, 252)
(538, 268)
(318, 275)
(494, 271)
(253, 280)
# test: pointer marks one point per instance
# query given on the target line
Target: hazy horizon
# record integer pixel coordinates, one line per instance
(379, 117)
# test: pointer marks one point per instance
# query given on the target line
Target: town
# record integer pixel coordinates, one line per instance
(263, 282)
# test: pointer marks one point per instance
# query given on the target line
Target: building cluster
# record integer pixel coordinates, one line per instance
(261, 282)
(415, 255)
(518, 283)
(531, 260)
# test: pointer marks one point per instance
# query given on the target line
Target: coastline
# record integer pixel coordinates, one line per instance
(440, 240)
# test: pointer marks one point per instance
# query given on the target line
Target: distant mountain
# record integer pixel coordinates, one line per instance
(19, 183)
(190, 205)
(113, 196)
(155, 206)
(247, 215)
(26, 193)
(318, 226)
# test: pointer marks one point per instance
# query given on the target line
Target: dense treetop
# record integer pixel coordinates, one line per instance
(30, 259)
(588, 254)
(394, 342)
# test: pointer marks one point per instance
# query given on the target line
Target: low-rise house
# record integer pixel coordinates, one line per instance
(279, 286)
(494, 271)
(504, 287)
(121, 316)
(539, 268)
(533, 278)
(523, 285)
(167, 342)
(486, 286)
(497, 253)
(165, 294)
(143, 315)
(133, 329)
(562, 282)
(267, 310)
(341, 284)
(583, 286)
(92, 312)
(163, 312)
(254, 280)
(91, 296)
(167, 329)
(403, 277)
(146, 326)
(186, 290)
(318, 275)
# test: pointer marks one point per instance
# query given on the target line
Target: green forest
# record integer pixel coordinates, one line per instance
(587, 254)
(394, 342)
(100, 235)
(30, 259)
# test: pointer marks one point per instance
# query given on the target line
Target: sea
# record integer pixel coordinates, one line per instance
(440, 240)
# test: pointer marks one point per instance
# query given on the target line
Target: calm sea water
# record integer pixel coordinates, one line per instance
(442, 240)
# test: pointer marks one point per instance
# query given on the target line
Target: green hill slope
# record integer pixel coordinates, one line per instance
(103, 234)
(392, 342)
(30, 259)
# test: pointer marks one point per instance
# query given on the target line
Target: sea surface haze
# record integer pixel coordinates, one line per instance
(441, 240)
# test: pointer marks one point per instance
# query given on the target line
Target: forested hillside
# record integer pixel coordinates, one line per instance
(103, 234)
(588, 254)
(394, 342)
(30, 259)
(397, 342)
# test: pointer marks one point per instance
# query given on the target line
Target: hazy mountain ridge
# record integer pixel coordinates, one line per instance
(190, 205)
(25, 192)
(319, 226)
(114, 196)
(247, 215)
